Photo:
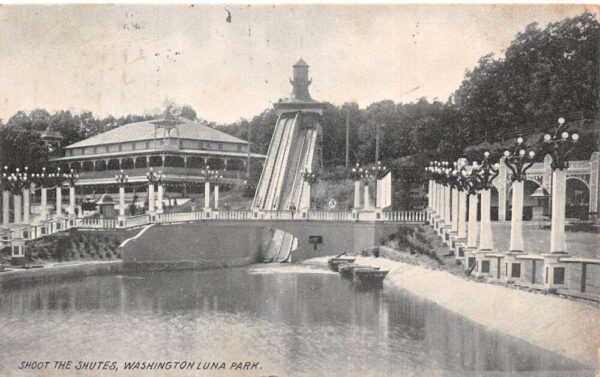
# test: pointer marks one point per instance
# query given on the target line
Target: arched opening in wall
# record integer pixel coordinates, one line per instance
(235, 165)
(127, 163)
(100, 165)
(113, 164)
(216, 163)
(141, 162)
(195, 162)
(155, 161)
(87, 166)
(535, 202)
(494, 204)
(76, 166)
(174, 161)
(578, 199)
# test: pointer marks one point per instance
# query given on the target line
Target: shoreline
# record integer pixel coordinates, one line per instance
(567, 327)
(59, 272)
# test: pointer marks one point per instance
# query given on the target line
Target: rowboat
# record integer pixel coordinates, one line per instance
(335, 262)
(369, 276)
(346, 270)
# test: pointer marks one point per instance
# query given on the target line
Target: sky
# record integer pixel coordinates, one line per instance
(119, 60)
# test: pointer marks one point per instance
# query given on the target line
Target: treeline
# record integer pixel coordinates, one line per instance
(545, 74)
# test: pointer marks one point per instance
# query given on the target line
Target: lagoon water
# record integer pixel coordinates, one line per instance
(295, 320)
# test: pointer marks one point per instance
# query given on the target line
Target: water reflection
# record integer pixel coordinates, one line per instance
(293, 323)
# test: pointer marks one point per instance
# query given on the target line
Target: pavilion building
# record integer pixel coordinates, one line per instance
(178, 147)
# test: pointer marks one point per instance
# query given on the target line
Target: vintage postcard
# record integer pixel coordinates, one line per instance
(298, 189)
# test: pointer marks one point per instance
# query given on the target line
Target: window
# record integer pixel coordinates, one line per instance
(516, 270)
(239, 147)
(220, 146)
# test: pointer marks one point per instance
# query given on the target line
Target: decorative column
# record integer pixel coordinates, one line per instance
(367, 198)
(455, 209)
(558, 146)
(472, 227)
(18, 209)
(26, 205)
(5, 208)
(207, 196)
(447, 204)
(216, 196)
(485, 233)
(151, 198)
(58, 201)
(462, 214)
(121, 179)
(159, 204)
(356, 194)
(153, 178)
(44, 203)
(310, 179)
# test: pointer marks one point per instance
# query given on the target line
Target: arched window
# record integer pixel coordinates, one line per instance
(140, 162)
(155, 161)
(174, 161)
(100, 165)
(236, 165)
(76, 166)
(127, 163)
(195, 162)
(87, 166)
(216, 163)
(113, 164)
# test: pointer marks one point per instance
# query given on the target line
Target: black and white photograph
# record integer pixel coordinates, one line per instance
(299, 189)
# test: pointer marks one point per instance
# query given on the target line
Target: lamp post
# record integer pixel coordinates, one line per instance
(42, 179)
(356, 175)
(486, 173)
(121, 179)
(210, 176)
(380, 171)
(153, 178)
(57, 179)
(15, 182)
(71, 177)
(559, 146)
(518, 161)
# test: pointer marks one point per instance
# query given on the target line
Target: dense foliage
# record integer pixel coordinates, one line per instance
(545, 74)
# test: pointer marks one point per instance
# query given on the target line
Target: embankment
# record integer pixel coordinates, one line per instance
(571, 328)
(58, 272)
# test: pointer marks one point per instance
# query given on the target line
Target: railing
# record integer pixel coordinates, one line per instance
(583, 275)
(169, 170)
(95, 223)
(136, 221)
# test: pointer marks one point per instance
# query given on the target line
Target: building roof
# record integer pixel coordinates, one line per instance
(139, 131)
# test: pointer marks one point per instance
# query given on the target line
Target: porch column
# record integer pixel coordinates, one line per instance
(356, 194)
(26, 205)
(558, 242)
(455, 209)
(5, 208)
(216, 196)
(516, 223)
(434, 197)
(462, 214)
(472, 231)
(206, 195)
(161, 191)
(429, 193)
(305, 198)
(151, 198)
(485, 233)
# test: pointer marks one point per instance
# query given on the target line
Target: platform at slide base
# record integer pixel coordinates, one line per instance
(235, 243)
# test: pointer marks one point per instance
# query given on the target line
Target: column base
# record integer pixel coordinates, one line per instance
(121, 221)
(469, 260)
(513, 267)
(460, 244)
(555, 271)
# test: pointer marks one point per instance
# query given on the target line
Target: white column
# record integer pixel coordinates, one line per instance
(18, 210)
(26, 206)
(71, 208)
(161, 191)
(434, 193)
(121, 200)
(5, 208)
(454, 227)
(462, 214)
(485, 233)
(472, 233)
(429, 194)
(216, 196)
(356, 194)
(206, 195)
(151, 198)
(379, 192)
(516, 223)
(558, 242)
(367, 198)
(447, 201)
(44, 204)
(58, 200)
(305, 199)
